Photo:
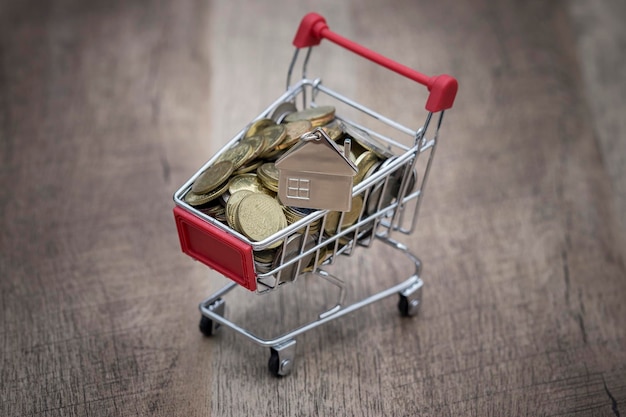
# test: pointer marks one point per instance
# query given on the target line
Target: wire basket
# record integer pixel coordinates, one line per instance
(385, 202)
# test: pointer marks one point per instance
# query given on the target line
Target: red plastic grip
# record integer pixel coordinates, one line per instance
(215, 248)
(443, 88)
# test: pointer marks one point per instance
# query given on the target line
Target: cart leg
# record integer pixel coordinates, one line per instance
(411, 300)
(207, 326)
(282, 357)
(342, 291)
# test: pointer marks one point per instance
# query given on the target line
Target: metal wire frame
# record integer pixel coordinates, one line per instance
(389, 217)
(413, 283)
(378, 219)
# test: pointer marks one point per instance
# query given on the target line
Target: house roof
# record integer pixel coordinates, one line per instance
(317, 156)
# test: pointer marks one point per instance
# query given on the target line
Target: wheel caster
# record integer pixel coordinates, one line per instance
(282, 359)
(274, 363)
(410, 300)
(207, 326)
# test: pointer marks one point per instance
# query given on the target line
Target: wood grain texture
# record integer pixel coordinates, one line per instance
(601, 40)
(106, 107)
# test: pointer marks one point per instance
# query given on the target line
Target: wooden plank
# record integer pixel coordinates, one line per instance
(600, 38)
(107, 107)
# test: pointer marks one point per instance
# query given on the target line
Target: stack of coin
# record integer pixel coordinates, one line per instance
(238, 155)
(210, 184)
(257, 127)
(294, 214)
(294, 130)
(218, 211)
(258, 144)
(263, 260)
(258, 216)
(293, 249)
(232, 205)
(318, 116)
(250, 182)
(240, 188)
(268, 174)
(365, 162)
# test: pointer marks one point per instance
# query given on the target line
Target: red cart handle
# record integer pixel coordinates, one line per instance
(443, 88)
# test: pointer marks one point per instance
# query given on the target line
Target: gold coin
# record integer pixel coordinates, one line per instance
(345, 240)
(323, 121)
(265, 256)
(250, 182)
(256, 127)
(257, 143)
(334, 130)
(318, 116)
(273, 135)
(238, 155)
(212, 211)
(252, 166)
(194, 199)
(274, 155)
(294, 131)
(364, 163)
(269, 175)
(293, 215)
(349, 218)
(212, 177)
(259, 216)
(231, 207)
(356, 149)
(321, 257)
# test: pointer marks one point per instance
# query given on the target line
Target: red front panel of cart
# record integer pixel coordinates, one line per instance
(215, 248)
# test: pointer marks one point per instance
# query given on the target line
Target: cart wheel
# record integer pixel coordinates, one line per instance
(410, 299)
(206, 326)
(282, 358)
(408, 308)
(274, 363)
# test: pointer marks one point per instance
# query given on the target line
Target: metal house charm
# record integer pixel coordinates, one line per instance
(317, 174)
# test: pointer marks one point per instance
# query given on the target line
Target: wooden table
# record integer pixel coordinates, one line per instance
(107, 107)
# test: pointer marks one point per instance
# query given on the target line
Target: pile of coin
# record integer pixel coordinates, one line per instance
(240, 187)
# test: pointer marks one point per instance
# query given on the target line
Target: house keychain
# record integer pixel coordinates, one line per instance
(316, 174)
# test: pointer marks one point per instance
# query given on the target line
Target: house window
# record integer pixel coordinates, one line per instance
(298, 188)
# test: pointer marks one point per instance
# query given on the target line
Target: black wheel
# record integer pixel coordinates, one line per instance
(274, 363)
(407, 307)
(403, 306)
(206, 326)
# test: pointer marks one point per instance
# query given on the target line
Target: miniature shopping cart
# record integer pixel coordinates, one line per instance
(391, 196)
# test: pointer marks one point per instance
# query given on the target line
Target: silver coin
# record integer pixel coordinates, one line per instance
(282, 110)
(291, 272)
(365, 140)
